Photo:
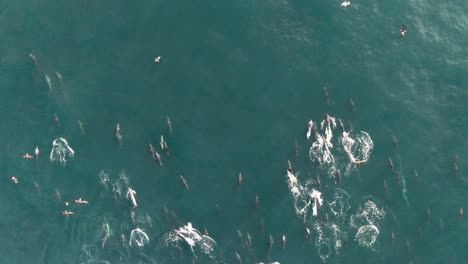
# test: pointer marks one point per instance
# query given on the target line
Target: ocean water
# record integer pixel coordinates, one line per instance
(239, 81)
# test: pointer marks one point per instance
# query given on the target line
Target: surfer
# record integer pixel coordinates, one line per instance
(14, 179)
(67, 213)
(309, 128)
(157, 59)
(284, 241)
(79, 201)
(248, 241)
(359, 162)
(27, 156)
(239, 180)
(36, 151)
(403, 31)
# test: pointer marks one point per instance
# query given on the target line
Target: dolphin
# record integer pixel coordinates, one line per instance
(131, 194)
(184, 182)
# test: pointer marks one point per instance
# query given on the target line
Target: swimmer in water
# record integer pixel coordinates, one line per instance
(157, 59)
(79, 201)
(67, 213)
(27, 156)
(14, 179)
(403, 31)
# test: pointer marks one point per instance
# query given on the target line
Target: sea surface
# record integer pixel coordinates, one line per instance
(239, 82)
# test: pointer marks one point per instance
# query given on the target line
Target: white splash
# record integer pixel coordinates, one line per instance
(366, 220)
(345, 3)
(366, 236)
(138, 238)
(61, 151)
(317, 197)
(118, 186)
(304, 196)
(359, 148)
(194, 239)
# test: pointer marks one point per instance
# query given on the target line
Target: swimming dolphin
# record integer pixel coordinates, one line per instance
(161, 143)
(257, 201)
(238, 257)
(351, 103)
(59, 77)
(49, 83)
(395, 142)
(169, 124)
(390, 164)
(325, 92)
(249, 240)
(80, 125)
(118, 136)
(158, 158)
(241, 238)
(153, 153)
(262, 225)
(106, 234)
(33, 58)
(239, 180)
(131, 194)
(184, 182)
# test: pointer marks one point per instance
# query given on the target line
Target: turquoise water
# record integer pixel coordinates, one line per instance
(239, 81)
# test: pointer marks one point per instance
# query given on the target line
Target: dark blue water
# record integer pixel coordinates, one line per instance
(239, 82)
